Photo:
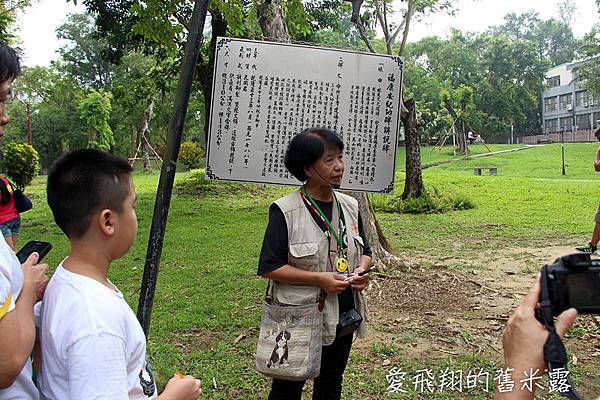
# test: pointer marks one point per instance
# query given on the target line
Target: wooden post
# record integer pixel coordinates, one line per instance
(167, 173)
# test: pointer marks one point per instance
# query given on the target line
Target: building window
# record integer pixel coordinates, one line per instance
(583, 122)
(564, 101)
(589, 98)
(581, 98)
(553, 81)
(551, 125)
(550, 103)
(565, 124)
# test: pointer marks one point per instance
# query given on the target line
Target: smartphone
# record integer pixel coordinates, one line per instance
(372, 268)
(42, 248)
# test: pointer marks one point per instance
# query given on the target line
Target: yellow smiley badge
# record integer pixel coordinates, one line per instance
(341, 264)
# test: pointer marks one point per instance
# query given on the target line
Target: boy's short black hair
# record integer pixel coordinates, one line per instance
(10, 66)
(83, 182)
(307, 147)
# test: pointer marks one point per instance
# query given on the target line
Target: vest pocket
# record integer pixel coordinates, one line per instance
(304, 255)
(295, 295)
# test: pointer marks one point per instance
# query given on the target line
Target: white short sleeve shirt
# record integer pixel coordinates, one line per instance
(93, 346)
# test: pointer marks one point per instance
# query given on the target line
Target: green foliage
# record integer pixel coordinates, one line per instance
(434, 202)
(201, 307)
(83, 55)
(95, 110)
(190, 154)
(553, 39)
(499, 80)
(591, 48)
(9, 10)
(20, 162)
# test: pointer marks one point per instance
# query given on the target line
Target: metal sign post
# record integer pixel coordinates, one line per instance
(167, 173)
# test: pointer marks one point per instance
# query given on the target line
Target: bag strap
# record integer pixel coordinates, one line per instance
(333, 244)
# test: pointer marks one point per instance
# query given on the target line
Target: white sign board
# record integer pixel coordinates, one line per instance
(265, 92)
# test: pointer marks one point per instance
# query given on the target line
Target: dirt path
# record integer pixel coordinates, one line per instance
(459, 308)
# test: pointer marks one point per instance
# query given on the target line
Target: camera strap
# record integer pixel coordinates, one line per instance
(555, 353)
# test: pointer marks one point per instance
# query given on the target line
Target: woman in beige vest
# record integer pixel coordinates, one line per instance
(314, 241)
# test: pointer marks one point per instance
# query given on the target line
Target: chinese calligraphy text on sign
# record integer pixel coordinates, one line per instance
(266, 92)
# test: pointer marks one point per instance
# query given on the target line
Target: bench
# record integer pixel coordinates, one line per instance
(544, 141)
(492, 170)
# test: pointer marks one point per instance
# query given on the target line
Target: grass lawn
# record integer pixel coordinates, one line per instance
(431, 154)
(208, 293)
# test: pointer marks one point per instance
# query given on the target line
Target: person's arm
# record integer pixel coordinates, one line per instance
(361, 282)
(273, 260)
(184, 388)
(18, 325)
(328, 281)
(597, 162)
(523, 342)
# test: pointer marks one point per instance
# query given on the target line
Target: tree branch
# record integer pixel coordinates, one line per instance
(385, 16)
(409, 13)
(363, 35)
(384, 27)
(182, 20)
(395, 34)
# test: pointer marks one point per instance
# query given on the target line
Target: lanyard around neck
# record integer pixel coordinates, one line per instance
(315, 207)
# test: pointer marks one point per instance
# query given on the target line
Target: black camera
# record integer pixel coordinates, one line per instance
(573, 281)
(349, 322)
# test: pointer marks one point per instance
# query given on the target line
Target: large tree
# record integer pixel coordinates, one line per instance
(382, 13)
(554, 39)
(52, 98)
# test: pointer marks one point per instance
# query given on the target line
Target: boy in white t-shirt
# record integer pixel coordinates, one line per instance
(20, 286)
(93, 347)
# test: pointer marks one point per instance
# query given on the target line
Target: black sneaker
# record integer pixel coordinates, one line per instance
(588, 248)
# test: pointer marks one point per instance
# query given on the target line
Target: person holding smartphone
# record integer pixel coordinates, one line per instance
(21, 286)
(313, 243)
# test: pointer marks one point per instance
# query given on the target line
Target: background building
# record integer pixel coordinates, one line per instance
(568, 107)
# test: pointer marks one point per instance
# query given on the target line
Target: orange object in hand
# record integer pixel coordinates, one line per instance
(179, 374)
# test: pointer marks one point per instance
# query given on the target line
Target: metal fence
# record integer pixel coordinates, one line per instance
(569, 137)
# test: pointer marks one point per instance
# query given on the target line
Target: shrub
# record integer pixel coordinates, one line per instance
(430, 203)
(190, 154)
(20, 162)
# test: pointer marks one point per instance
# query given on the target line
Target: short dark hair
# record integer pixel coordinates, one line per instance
(81, 183)
(597, 132)
(10, 66)
(307, 147)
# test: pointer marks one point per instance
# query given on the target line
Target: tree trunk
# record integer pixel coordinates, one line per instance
(413, 186)
(382, 250)
(272, 21)
(144, 136)
(91, 139)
